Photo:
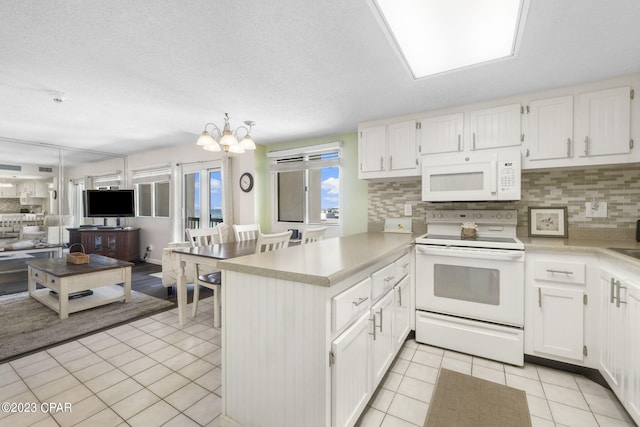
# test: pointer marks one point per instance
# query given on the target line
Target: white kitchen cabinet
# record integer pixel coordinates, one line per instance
(351, 376)
(612, 333)
(559, 322)
(388, 150)
(27, 186)
(372, 149)
(382, 346)
(632, 398)
(603, 125)
(8, 192)
(549, 130)
(555, 305)
(41, 188)
(442, 134)
(402, 316)
(495, 127)
(382, 281)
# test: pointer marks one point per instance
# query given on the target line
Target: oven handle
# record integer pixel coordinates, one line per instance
(496, 254)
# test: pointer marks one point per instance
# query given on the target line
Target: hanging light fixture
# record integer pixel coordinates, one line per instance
(227, 140)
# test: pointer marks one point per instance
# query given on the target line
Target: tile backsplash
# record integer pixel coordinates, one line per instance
(619, 186)
(10, 205)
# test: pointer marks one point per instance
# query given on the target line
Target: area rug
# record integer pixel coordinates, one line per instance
(27, 325)
(461, 400)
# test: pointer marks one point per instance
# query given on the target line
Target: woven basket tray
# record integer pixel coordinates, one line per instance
(77, 257)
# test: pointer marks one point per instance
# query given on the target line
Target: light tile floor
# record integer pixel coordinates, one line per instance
(153, 373)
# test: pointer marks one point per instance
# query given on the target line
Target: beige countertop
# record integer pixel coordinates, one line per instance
(595, 247)
(324, 263)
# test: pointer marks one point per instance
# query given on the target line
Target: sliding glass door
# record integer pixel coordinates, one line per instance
(202, 195)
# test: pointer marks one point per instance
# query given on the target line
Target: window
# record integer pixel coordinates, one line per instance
(153, 190)
(307, 184)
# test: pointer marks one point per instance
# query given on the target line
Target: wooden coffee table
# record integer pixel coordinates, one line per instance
(102, 275)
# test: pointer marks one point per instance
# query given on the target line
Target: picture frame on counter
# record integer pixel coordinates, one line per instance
(548, 222)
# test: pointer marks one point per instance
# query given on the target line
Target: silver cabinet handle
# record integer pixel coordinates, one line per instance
(381, 163)
(568, 147)
(390, 163)
(527, 153)
(586, 145)
(474, 141)
(559, 272)
(612, 290)
(618, 301)
(360, 301)
(388, 278)
(373, 319)
(399, 296)
(459, 142)
(374, 323)
(539, 297)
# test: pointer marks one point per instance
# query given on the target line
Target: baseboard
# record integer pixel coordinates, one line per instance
(590, 373)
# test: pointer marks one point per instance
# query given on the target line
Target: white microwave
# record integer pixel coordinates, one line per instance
(474, 176)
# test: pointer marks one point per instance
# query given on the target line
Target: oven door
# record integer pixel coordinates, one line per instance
(474, 283)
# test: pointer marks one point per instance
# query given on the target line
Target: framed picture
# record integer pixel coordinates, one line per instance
(548, 222)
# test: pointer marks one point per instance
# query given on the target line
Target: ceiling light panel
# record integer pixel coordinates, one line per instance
(434, 36)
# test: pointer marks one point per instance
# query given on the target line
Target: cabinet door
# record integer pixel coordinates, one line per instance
(350, 374)
(611, 332)
(604, 122)
(442, 134)
(401, 320)
(383, 344)
(495, 127)
(559, 322)
(632, 401)
(550, 129)
(403, 146)
(372, 148)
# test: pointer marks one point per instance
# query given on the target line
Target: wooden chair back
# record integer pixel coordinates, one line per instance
(204, 236)
(272, 242)
(246, 231)
(311, 235)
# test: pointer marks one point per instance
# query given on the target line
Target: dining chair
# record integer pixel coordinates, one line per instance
(209, 279)
(272, 242)
(311, 235)
(204, 236)
(246, 231)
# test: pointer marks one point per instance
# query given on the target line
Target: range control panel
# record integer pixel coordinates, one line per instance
(479, 216)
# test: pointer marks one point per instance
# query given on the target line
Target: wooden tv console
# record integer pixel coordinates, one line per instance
(118, 243)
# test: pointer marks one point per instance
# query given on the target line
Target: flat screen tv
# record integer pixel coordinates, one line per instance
(109, 203)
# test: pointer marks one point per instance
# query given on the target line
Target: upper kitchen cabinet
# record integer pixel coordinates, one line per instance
(604, 122)
(495, 127)
(442, 134)
(548, 130)
(388, 150)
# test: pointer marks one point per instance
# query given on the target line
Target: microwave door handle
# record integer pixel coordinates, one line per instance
(494, 179)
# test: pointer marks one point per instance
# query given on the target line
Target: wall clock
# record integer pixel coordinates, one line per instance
(246, 182)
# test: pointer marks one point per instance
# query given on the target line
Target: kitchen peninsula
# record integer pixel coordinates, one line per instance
(309, 331)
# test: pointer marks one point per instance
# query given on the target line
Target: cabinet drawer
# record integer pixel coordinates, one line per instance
(348, 304)
(561, 272)
(383, 280)
(403, 265)
(38, 276)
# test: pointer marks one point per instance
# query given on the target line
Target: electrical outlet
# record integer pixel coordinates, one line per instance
(596, 209)
(408, 211)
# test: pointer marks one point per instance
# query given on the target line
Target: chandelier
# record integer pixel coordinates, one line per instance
(227, 140)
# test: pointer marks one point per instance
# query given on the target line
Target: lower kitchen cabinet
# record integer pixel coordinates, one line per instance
(632, 399)
(559, 322)
(556, 304)
(620, 346)
(350, 377)
(402, 317)
(383, 344)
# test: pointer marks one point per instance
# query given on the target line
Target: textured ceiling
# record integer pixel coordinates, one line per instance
(146, 74)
